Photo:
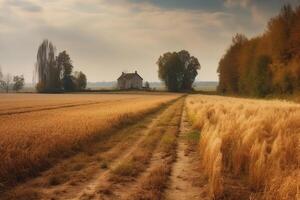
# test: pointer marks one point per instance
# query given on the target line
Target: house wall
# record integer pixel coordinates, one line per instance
(121, 84)
(134, 83)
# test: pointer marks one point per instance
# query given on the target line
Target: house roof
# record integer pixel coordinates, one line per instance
(129, 76)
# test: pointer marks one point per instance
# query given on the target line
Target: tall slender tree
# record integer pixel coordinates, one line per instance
(47, 69)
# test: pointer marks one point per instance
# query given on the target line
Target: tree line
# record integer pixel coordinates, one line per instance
(8, 82)
(55, 73)
(267, 64)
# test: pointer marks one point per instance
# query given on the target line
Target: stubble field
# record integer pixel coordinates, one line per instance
(36, 128)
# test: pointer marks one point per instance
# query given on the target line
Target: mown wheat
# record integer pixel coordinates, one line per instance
(31, 140)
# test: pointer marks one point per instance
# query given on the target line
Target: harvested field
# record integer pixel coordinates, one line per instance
(30, 140)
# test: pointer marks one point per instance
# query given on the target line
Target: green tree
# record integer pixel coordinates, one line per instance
(81, 80)
(19, 82)
(64, 62)
(191, 65)
(5, 81)
(178, 70)
(47, 69)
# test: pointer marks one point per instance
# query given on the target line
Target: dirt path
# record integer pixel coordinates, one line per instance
(186, 182)
(163, 156)
(119, 185)
(90, 190)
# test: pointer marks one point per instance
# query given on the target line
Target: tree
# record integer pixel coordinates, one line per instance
(171, 71)
(47, 68)
(64, 62)
(5, 82)
(178, 70)
(229, 66)
(191, 65)
(1, 74)
(1, 78)
(267, 63)
(262, 76)
(18, 83)
(81, 80)
(55, 72)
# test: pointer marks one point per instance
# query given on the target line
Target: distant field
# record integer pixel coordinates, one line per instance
(36, 127)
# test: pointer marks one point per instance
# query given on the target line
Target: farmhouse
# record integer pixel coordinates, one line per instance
(130, 81)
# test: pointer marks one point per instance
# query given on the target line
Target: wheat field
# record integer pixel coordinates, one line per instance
(257, 141)
(35, 129)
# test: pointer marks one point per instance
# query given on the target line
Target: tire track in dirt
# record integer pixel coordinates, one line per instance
(105, 189)
(161, 155)
(186, 181)
(90, 190)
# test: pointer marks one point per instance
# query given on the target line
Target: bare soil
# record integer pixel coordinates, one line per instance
(186, 181)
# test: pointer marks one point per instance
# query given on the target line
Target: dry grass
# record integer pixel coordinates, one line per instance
(138, 161)
(154, 184)
(31, 141)
(252, 139)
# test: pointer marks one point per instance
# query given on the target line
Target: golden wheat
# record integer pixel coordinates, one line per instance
(15, 103)
(255, 139)
(30, 140)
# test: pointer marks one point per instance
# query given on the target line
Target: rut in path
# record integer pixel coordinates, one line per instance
(90, 189)
(186, 181)
(163, 155)
(119, 185)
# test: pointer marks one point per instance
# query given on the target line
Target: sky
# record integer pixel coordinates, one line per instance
(106, 37)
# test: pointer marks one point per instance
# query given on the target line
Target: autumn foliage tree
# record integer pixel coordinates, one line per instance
(266, 64)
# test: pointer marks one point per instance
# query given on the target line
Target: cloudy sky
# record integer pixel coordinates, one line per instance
(106, 37)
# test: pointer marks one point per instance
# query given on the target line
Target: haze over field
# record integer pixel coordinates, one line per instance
(106, 37)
